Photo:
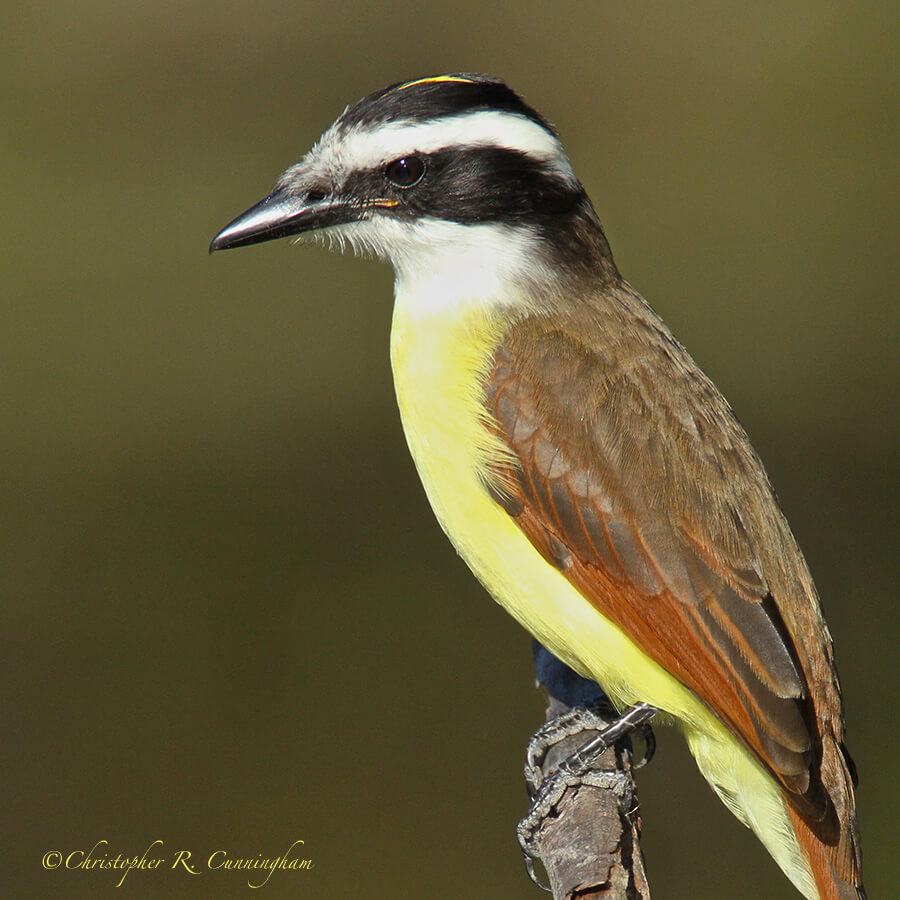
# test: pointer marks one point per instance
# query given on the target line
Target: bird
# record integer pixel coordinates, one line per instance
(593, 478)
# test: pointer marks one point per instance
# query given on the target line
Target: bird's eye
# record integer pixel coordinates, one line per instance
(316, 195)
(406, 171)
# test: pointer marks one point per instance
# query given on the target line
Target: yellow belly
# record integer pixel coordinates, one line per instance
(438, 362)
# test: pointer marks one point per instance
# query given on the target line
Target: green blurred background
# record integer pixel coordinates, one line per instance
(229, 620)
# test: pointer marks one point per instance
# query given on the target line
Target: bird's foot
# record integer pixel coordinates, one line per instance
(593, 717)
(580, 719)
(575, 770)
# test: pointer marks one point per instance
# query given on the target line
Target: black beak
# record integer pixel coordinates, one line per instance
(282, 214)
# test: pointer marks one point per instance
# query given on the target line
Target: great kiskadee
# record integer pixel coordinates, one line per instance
(592, 477)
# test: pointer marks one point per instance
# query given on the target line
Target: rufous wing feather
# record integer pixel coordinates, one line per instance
(631, 475)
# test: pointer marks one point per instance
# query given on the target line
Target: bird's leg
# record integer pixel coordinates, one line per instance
(576, 768)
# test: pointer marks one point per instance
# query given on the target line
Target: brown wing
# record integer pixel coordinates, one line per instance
(633, 477)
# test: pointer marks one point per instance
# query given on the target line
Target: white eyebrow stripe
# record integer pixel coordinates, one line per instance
(367, 148)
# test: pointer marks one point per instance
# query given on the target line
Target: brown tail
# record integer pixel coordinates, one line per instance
(836, 865)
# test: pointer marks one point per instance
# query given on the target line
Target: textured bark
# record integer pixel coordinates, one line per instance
(591, 847)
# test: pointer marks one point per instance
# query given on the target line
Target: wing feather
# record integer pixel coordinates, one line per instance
(639, 486)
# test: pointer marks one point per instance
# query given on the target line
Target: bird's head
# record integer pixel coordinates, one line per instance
(439, 165)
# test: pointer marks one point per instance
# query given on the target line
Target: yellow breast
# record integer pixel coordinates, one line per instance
(439, 361)
(439, 364)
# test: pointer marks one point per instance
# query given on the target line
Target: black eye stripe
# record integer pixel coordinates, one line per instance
(470, 185)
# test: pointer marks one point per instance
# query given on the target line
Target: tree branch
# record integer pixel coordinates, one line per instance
(591, 847)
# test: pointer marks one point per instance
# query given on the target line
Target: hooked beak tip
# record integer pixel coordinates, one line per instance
(283, 214)
(277, 215)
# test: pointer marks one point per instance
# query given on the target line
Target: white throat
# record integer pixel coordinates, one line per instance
(441, 267)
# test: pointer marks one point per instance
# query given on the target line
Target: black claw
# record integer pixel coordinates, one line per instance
(529, 868)
(649, 738)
